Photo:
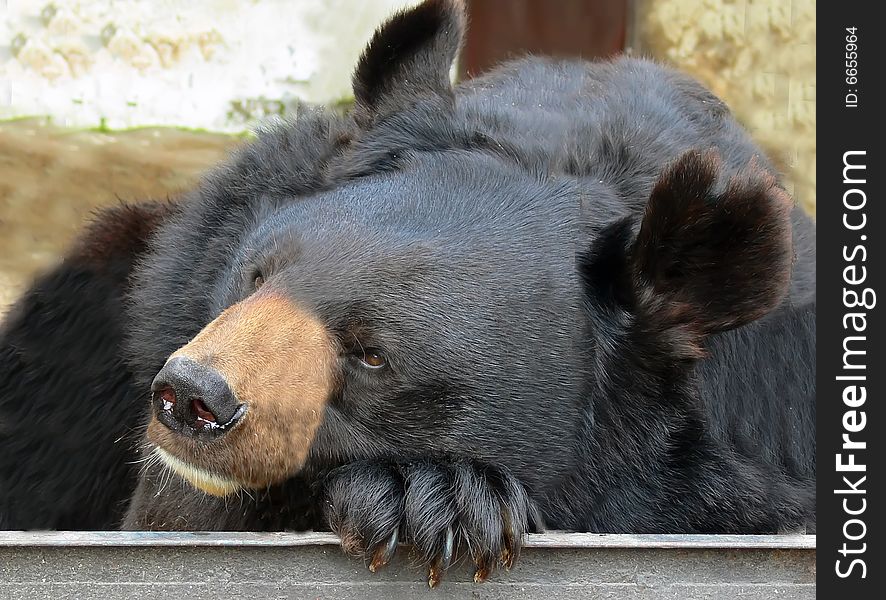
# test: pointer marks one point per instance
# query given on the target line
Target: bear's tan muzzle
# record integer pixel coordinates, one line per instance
(277, 363)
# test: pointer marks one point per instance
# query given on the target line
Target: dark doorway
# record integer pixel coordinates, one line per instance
(502, 29)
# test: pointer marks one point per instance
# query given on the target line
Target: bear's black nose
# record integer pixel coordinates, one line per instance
(187, 393)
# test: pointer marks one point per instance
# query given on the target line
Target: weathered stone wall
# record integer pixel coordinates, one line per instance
(209, 64)
(759, 56)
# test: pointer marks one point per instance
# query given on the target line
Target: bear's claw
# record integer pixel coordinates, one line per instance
(444, 509)
(444, 560)
(384, 553)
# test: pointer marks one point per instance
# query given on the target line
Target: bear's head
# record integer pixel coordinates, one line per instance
(448, 302)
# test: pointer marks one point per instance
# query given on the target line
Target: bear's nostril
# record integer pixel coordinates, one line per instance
(190, 396)
(167, 397)
(205, 418)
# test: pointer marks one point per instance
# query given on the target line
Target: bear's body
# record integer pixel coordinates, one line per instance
(64, 462)
(504, 319)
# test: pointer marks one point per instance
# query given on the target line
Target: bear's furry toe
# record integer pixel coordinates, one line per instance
(445, 509)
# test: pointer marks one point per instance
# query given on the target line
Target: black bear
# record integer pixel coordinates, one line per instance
(564, 294)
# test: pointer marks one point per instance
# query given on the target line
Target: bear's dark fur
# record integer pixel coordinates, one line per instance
(63, 453)
(595, 304)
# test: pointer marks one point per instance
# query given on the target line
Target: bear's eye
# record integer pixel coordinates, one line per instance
(371, 358)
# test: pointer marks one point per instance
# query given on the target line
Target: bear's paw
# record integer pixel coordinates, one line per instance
(445, 510)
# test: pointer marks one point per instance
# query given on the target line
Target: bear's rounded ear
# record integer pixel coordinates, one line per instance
(711, 255)
(408, 57)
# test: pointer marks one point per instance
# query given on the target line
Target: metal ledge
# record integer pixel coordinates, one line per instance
(553, 539)
(148, 565)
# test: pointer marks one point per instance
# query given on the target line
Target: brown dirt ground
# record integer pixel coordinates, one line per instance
(52, 179)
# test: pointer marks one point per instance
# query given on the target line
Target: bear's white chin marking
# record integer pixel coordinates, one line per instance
(203, 480)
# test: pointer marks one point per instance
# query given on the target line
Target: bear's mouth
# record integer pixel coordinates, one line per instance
(205, 481)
